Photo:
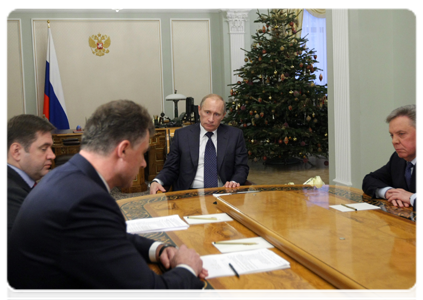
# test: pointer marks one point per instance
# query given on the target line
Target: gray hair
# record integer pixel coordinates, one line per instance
(114, 122)
(212, 96)
(407, 111)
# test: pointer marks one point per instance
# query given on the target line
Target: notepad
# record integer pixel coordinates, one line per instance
(242, 244)
(211, 218)
(168, 223)
(245, 262)
(357, 206)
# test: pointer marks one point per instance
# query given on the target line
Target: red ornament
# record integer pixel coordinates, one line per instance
(291, 23)
(264, 51)
(321, 77)
(315, 56)
(245, 125)
(305, 160)
(280, 141)
(259, 100)
(262, 114)
(290, 107)
(286, 140)
(249, 153)
(239, 82)
(264, 158)
(301, 65)
(251, 112)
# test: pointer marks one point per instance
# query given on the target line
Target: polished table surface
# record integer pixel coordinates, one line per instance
(326, 248)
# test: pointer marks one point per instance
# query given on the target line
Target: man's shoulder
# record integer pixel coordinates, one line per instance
(228, 128)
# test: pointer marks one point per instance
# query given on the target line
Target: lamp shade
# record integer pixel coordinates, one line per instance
(172, 97)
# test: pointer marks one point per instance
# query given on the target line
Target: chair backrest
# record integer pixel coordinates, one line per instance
(169, 136)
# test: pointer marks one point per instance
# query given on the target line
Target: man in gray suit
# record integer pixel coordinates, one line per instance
(186, 166)
(29, 158)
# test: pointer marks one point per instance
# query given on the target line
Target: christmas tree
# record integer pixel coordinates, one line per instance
(277, 104)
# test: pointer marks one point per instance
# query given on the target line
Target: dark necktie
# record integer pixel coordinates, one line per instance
(408, 173)
(210, 163)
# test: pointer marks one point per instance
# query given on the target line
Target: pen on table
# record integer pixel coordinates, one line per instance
(349, 207)
(233, 269)
(202, 218)
(234, 243)
(245, 192)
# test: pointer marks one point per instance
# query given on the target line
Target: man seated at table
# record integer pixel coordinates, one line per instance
(396, 181)
(71, 234)
(29, 158)
(194, 162)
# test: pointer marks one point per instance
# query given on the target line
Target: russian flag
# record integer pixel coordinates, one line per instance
(54, 102)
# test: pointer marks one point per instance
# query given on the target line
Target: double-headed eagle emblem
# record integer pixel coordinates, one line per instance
(99, 44)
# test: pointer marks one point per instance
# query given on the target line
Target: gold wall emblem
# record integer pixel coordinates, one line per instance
(99, 44)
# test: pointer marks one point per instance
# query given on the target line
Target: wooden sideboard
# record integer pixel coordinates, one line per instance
(155, 156)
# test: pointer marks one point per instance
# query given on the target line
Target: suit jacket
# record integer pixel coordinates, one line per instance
(391, 174)
(17, 190)
(71, 234)
(182, 160)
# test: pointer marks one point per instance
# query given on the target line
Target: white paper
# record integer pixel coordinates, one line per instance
(358, 206)
(168, 223)
(261, 243)
(220, 218)
(245, 262)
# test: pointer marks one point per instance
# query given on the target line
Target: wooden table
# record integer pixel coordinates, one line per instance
(327, 249)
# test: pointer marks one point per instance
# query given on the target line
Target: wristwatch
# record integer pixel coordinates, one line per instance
(164, 247)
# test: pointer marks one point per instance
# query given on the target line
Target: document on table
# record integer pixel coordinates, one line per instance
(245, 262)
(168, 223)
(354, 206)
(242, 244)
(212, 218)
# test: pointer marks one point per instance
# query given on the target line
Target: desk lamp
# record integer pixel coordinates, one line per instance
(175, 98)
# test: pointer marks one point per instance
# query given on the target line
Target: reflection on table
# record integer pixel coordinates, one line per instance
(326, 248)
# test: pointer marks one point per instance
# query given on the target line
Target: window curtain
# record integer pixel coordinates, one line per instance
(314, 29)
(312, 23)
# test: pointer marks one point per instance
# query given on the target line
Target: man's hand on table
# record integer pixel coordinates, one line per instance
(398, 197)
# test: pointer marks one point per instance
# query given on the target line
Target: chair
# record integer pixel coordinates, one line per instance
(169, 136)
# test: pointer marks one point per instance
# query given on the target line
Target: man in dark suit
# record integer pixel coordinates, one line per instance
(396, 181)
(186, 166)
(71, 234)
(29, 158)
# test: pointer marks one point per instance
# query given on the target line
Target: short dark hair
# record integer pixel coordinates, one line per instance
(407, 111)
(213, 96)
(114, 122)
(23, 129)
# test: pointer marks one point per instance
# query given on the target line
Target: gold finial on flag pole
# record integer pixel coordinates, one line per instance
(48, 23)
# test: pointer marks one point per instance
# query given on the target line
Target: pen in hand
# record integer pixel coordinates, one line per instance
(233, 269)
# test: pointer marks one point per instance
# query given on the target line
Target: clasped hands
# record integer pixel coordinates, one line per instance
(398, 197)
(171, 257)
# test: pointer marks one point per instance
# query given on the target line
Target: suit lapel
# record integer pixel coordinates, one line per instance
(194, 144)
(221, 145)
(413, 179)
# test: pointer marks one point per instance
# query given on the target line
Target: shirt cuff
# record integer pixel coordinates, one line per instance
(380, 193)
(157, 180)
(152, 251)
(413, 199)
(188, 268)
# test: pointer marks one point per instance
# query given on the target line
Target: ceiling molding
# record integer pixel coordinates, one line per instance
(109, 10)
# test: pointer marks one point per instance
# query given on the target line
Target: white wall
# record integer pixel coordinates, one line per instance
(382, 74)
